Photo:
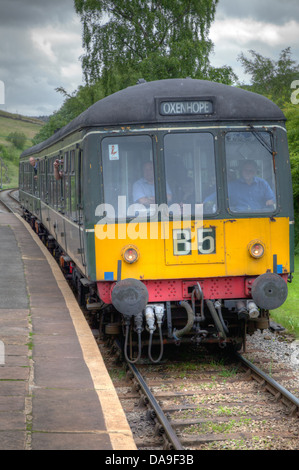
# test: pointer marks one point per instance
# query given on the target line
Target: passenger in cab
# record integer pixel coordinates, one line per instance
(144, 188)
(249, 192)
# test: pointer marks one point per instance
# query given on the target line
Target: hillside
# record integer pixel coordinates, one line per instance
(11, 123)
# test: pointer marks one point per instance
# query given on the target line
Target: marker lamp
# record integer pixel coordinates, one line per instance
(130, 254)
(256, 249)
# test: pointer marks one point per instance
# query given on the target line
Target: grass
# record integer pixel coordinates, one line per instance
(10, 123)
(288, 314)
(13, 172)
(218, 427)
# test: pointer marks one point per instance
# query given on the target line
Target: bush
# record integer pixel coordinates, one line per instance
(18, 139)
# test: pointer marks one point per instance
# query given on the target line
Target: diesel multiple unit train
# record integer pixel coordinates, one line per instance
(171, 212)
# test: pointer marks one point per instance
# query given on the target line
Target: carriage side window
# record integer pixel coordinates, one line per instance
(42, 181)
(51, 182)
(25, 177)
(66, 183)
(190, 170)
(21, 176)
(28, 177)
(128, 174)
(59, 185)
(73, 189)
(250, 173)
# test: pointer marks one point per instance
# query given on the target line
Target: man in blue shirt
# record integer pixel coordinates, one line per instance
(250, 193)
(33, 163)
(144, 188)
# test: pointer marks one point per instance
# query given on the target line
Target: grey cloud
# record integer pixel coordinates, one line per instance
(270, 11)
(28, 13)
(30, 74)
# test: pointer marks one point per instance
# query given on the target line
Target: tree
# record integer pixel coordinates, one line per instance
(292, 114)
(74, 104)
(276, 80)
(269, 77)
(126, 40)
(18, 139)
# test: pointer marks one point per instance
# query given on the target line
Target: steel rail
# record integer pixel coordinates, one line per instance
(275, 385)
(3, 202)
(12, 190)
(157, 409)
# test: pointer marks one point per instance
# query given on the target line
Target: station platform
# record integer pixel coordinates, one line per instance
(55, 391)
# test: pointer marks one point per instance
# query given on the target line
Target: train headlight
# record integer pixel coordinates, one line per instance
(256, 249)
(130, 254)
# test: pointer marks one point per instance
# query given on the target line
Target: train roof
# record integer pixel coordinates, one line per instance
(171, 100)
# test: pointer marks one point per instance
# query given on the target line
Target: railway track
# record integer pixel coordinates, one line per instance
(209, 403)
(9, 201)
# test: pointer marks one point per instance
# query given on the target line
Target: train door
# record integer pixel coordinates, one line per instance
(80, 204)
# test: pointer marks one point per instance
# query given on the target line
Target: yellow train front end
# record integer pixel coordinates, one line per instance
(236, 251)
(241, 257)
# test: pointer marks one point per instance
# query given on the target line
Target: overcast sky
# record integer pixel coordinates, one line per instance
(40, 45)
